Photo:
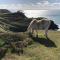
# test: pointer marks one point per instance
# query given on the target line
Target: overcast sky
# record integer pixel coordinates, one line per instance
(26, 1)
(30, 4)
(50, 14)
(37, 13)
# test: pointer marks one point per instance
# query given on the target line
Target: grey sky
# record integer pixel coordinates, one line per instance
(29, 4)
(50, 14)
(25, 1)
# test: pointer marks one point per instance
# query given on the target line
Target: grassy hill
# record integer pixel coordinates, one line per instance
(12, 25)
(13, 21)
(42, 49)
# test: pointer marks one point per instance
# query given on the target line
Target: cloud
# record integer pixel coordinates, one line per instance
(44, 5)
(47, 5)
(11, 6)
(40, 13)
(35, 13)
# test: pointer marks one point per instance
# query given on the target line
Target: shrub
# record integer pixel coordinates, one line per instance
(16, 42)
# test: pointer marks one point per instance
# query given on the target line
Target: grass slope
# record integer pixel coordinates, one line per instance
(13, 21)
(42, 49)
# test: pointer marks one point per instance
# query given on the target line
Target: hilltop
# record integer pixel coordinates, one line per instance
(13, 21)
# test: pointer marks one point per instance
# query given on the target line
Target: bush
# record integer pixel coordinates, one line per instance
(16, 41)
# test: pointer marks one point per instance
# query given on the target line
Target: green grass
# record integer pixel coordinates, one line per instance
(1, 42)
(39, 51)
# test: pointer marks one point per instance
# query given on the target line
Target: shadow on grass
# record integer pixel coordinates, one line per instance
(44, 41)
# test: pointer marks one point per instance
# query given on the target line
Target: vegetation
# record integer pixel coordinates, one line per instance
(17, 44)
(14, 43)
(43, 49)
(13, 21)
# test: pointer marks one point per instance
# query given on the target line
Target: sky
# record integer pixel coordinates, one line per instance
(29, 4)
(37, 13)
(50, 14)
(26, 1)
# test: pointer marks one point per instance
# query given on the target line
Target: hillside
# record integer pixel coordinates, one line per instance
(17, 44)
(41, 49)
(13, 21)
